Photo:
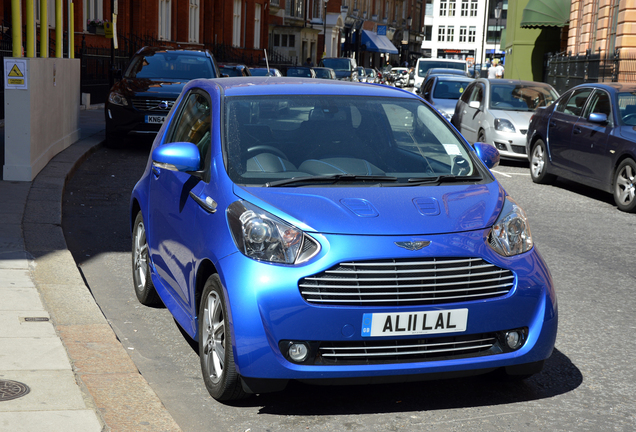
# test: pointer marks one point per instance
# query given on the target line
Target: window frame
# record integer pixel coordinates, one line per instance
(165, 20)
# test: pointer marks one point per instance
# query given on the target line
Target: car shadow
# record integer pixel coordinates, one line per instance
(559, 376)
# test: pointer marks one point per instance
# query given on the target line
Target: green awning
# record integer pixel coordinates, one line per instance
(546, 13)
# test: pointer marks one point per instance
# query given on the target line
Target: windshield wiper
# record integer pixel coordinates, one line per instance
(446, 178)
(330, 178)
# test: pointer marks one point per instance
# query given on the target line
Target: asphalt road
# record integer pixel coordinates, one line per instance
(587, 384)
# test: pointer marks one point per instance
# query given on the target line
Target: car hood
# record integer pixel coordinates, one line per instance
(154, 88)
(628, 132)
(445, 105)
(521, 119)
(412, 210)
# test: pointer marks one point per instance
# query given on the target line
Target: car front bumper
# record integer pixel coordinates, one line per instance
(268, 311)
(125, 120)
(511, 145)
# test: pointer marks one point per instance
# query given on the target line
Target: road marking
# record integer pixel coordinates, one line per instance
(511, 174)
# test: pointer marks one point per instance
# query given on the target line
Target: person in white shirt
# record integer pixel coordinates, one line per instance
(492, 70)
(499, 71)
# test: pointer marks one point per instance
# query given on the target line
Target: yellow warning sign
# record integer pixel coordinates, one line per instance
(15, 72)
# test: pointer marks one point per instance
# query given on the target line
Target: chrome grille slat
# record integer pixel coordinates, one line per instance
(401, 350)
(152, 105)
(408, 282)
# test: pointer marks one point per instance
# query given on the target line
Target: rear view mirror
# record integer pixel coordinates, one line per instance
(598, 118)
(488, 154)
(474, 104)
(177, 156)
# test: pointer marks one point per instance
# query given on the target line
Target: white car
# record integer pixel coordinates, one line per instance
(424, 64)
(497, 112)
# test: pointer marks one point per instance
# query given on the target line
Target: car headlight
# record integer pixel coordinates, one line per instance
(504, 125)
(117, 99)
(510, 235)
(262, 236)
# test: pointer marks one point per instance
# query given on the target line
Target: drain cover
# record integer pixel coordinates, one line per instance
(12, 390)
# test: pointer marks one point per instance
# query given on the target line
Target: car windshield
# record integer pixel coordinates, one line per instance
(424, 66)
(171, 65)
(299, 72)
(446, 89)
(337, 64)
(322, 73)
(262, 72)
(233, 71)
(366, 141)
(627, 107)
(520, 97)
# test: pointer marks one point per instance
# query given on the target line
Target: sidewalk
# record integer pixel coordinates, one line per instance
(61, 365)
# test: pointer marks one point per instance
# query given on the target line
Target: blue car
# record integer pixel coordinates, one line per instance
(588, 136)
(334, 232)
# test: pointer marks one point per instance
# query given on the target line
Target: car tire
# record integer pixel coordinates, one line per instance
(539, 164)
(215, 347)
(144, 288)
(625, 186)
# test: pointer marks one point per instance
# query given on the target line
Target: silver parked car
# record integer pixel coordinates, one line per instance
(498, 111)
(443, 92)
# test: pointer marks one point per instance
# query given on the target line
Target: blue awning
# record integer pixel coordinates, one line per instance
(377, 43)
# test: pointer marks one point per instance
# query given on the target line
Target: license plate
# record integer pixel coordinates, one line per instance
(155, 119)
(414, 323)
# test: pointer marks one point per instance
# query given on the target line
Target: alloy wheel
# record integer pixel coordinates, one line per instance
(625, 188)
(538, 161)
(214, 337)
(141, 255)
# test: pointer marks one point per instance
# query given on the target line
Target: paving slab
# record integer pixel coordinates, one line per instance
(14, 259)
(49, 390)
(26, 324)
(43, 353)
(50, 421)
(20, 299)
(16, 278)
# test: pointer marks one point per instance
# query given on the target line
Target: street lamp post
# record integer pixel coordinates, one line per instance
(497, 16)
(324, 20)
(409, 21)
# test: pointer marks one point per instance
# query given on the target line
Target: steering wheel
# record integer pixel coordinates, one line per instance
(252, 151)
(629, 118)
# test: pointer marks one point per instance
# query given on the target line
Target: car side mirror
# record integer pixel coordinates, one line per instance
(598, 118)
(177, 156)
(474, 104)
(488, 154)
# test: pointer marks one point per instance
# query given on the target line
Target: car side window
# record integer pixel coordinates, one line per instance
(478, 94)
(194, 123)
(427, 87)
(576, 102)
(599, 104)
(466, 95)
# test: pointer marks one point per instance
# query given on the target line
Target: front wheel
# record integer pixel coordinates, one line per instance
(144, 288)
(625, 186)
(539, 164)
(215, 347)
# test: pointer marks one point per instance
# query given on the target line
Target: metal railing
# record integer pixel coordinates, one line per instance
(566, 71)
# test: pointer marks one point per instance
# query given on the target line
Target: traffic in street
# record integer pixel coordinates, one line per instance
(585, 385)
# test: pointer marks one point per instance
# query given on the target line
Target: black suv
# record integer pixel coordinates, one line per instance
(139, 102)
(346, 68)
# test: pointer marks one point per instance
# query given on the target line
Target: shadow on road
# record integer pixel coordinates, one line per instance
(559, 376)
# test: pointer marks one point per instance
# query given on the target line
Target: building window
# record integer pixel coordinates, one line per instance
(428, 33)
(462, 34)
(257, 26)
(165, 19)
(294, 8)
(443, 8)
(236, 24)
(194, 21)
(276, 40)
(451, 8)
(441, 34)
(472, 32)
(464, 8)
(93, 11)
(450, 35)
(473, 8)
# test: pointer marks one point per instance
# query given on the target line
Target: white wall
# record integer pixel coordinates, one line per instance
(43, 119)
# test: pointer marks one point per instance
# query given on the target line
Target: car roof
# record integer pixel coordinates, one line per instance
(449, 77)
(614, 86)
(189, 50)
(506, 81)
(263, 86)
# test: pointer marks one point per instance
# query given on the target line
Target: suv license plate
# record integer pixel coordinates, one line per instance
(414, 323)
(155, 119)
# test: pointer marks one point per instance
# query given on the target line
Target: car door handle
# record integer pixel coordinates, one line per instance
(577, 131)
(207, 203)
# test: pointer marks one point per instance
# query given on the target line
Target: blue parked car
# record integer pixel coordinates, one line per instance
(588, 136)
(334, 232)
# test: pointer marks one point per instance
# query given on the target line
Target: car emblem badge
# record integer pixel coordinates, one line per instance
(414, 245)
(163, 104)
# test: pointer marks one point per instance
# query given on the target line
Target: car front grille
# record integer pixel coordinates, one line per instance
(407, 350)
(159, 106)
(407, 282)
